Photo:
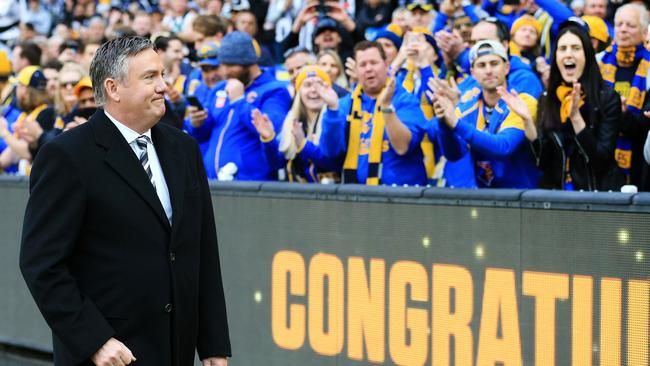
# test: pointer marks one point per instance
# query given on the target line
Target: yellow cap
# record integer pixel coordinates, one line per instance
(84, 82)
(32, 76)
(526, 20)
(312, 70)
(597, 27)
(5, 65)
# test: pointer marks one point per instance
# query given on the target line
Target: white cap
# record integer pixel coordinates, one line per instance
(487, 47)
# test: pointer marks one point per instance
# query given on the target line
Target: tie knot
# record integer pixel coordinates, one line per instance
(142, 141)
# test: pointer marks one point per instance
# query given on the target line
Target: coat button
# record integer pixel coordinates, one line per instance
(172, 257)
(168, 308)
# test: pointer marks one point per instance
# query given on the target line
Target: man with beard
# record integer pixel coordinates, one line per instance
(485, 128)
(234, 149)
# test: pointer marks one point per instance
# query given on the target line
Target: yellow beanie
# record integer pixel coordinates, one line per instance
(597, 27)
(5, 65)
(526, 20)
(308, 71)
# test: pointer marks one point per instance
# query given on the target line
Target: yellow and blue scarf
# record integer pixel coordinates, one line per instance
(608, 65)
(351, 163)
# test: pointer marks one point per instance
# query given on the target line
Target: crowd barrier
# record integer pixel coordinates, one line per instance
(354, 275)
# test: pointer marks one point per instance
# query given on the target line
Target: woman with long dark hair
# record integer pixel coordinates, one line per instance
(578, 118)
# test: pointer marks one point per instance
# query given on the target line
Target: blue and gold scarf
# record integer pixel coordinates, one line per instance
(614, 55)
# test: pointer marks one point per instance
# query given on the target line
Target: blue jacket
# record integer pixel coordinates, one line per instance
(396, 169)
(229, 131)
(500, 157)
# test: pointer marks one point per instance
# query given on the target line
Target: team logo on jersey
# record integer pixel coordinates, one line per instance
(220, 101)
(250, 98)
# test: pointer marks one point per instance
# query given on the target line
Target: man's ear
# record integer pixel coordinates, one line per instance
(111, 89)
(507, 68)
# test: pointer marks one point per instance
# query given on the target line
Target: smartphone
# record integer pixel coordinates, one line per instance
(194, 102)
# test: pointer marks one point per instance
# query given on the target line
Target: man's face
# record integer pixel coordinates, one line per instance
(96, 31)
(173, 54)
(68, 55)
(141, 25)
(420, 18)
(144, 88)
(210, 74)
(372, 70)
(483, 31)
(239, 72)
(328, 39)
(17, 62)
(596, 8)
(296, 62)
(245, 22)
(490, 71)
(627, 28)
(403, 19)
(52, 76)
(89, 53)
(179, 6)
(525, 37)
(86, 98)
(389, 49)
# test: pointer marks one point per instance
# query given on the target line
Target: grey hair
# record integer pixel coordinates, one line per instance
(639, 9)
(111, 61)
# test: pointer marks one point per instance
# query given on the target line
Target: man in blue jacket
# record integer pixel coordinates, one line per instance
(485, 128)
(227, 125)
(378, 128)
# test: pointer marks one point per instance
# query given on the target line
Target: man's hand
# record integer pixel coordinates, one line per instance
(451, 44)
(543, 69)
(306, 14)
(197, 116)
(341, 16)
(444, 109)
(31, 131)
(263, 124)
(113, 353)
(329, 97)
(4, 128)
(444, 87)
(386, 97)
(235, 89)
(215, 361)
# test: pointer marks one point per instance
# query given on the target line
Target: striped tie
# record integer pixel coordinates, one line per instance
(142, 143)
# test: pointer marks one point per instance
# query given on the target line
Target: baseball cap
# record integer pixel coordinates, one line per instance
(422, 4)
(5, 65)
(32, 76)
(208, 54)
(325, 23)
(487, 47)
(84, 82)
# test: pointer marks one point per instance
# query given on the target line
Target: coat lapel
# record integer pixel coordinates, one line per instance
(120, 157)
(171, 161)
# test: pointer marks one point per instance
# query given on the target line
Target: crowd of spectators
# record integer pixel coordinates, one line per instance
(451, 93)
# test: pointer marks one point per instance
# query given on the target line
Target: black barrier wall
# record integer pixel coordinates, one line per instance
(327, 275)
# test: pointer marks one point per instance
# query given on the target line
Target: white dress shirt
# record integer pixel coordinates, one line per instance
(154, 163)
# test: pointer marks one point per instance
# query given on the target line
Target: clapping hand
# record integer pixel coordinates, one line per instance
(298, 132)
(263, 125)
(447, 88)
(351, 70)
(514, 102)
(386, 98)
(576, 94)
(329, 96)
(443, 107)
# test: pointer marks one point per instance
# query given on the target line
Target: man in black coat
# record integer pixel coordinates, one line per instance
(119, 244)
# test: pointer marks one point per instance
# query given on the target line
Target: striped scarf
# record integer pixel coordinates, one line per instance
(355, 119)
(608, 66)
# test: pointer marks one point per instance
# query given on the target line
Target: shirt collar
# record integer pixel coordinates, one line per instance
(128, 133)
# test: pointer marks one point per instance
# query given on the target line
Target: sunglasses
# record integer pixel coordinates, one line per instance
(68, 84)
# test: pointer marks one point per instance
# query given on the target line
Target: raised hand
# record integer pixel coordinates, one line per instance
(448, 88)
(298, 132)
(263, 124)
(234, 89)
(351, 69)
(386, 97)
(514, 102)
(329, 96)
(575, 99)
(443, 107)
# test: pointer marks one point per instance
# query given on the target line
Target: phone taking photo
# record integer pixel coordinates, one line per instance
(194, 102)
